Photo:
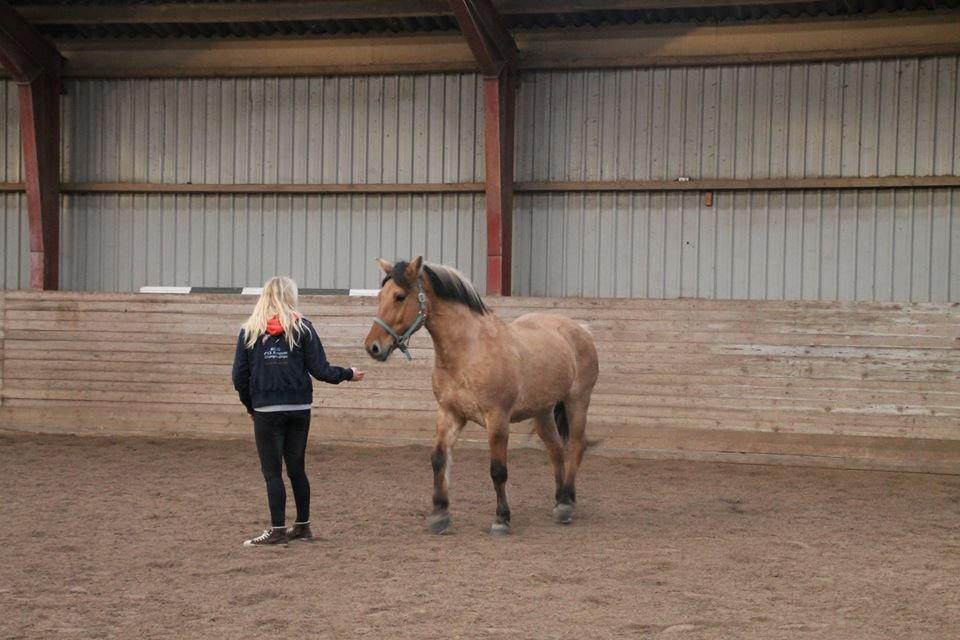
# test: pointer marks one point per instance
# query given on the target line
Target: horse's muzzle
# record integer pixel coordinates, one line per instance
(378, 352)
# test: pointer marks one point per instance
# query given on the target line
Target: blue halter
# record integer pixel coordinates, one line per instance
(403, 340)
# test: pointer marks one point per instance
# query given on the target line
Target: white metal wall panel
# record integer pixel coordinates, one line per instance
(14, 242)
(122, 242)
(10, 147)
(860, 118)
(14, 238)
(810, 245)
(851, 119)
(857, 119)
(361, 129)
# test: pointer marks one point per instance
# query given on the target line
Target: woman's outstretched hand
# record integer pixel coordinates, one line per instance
(357, 375)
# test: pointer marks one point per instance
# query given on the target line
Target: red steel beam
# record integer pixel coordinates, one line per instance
(482, 45)
(36, 66)
(498, 104)
(496, 53)
(40, 131)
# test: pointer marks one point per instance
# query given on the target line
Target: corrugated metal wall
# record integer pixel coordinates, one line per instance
(120, 242)
(14, 241)
(369, 129)
(856, 119)
(810, 245)
(861, 118)
(373, 129)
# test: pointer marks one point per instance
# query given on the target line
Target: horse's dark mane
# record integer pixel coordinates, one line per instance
(447, 284)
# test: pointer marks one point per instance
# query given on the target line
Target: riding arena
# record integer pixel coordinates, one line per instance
(507, 318)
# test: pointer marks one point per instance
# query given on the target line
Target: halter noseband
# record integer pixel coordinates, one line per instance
(402, 340)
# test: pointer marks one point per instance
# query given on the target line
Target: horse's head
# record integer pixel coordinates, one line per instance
(401, 309)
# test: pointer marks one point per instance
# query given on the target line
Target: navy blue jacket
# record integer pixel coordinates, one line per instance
(271, 373)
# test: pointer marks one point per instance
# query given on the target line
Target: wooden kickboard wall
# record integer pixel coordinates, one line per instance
(842, 384)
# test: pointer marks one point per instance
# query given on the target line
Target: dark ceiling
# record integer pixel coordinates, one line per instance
(108, 19)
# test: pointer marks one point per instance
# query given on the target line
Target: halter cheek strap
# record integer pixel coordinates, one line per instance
(402, 340)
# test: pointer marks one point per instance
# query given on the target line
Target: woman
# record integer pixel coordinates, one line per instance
(277, 352)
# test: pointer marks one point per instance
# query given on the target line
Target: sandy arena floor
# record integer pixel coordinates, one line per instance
(138, 538)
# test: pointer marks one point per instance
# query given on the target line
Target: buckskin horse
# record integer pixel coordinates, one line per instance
(540, 366)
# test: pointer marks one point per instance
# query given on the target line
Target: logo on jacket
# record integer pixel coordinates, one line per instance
(276, 354)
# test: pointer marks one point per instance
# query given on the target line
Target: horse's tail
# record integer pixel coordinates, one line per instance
(560, 417)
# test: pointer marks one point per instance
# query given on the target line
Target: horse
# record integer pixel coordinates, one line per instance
(540, 366)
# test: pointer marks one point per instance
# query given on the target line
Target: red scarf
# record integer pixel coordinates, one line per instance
(274, 327)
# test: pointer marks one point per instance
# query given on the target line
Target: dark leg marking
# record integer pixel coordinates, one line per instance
(498, 472)
(439, 461)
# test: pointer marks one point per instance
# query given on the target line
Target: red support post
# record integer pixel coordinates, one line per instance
(35, 65)
(496, 54)
(498, 102)
(40, 131)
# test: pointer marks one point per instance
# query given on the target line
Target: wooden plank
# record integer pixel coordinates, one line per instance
(617, 186)
(144, 187)
(678, 323)
(3, 324)
(619, 342)
(665, 382)
(754, 184)
(818, 383)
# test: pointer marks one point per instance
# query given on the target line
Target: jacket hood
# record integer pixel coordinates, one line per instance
(274, 327)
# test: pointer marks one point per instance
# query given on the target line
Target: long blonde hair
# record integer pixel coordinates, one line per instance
(279, 298)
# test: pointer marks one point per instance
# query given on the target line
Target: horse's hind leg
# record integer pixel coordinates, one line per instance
(546, 428)
(576, 445)
(448, 428)
(498, 433)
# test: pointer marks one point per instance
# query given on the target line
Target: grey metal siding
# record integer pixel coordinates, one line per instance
(861, 118)
(373, 129)
(10, 148)
(14, 239)
(853, 119)
(14, 242)
(811, 245)
(122, 242)
(369, 129)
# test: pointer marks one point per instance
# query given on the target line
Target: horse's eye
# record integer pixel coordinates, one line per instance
(401, 297)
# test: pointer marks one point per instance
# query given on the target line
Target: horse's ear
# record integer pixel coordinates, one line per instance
(386, 266)
(413, 269)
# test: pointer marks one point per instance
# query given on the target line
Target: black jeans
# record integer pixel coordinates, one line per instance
(282, 438)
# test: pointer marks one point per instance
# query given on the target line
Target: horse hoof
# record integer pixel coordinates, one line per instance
(498, 529)
(439, 523)
(563, 513)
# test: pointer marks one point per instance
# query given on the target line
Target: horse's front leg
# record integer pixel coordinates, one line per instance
(448, 428)
(498, 433)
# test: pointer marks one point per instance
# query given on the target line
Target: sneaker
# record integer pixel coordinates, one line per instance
(300, 531)
(274, 535)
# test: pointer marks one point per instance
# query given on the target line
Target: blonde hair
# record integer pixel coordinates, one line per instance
(279, 298)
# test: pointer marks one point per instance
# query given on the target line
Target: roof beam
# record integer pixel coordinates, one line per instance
(24, 52)
(927, 33)
(285, 10)
(194, 13)
(486, 35)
